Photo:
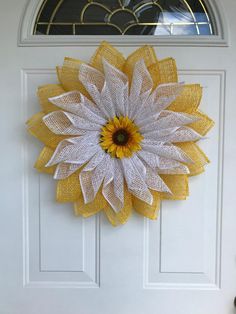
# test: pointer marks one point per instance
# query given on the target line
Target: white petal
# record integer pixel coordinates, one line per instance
(166, 150)
(159, 100)
(135, 182)
(65, 123)
(150, 158)
(93, 81)
(155, 134)
(109, 188)
(183, 134)
(75, 150)
(118, 85)
(91, 180)
(140, 89)
(67, 101)
(171, 119)
(64, 170)
(107, 105)
(154, 181)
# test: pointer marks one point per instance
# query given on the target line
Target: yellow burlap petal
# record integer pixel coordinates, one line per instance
(87, 210)
(123, 215)
(168, 71)
(108, 52)
(47, 91)
(147, 53)
(203, 125)
(69, 190)
(144, 209)
(178, 184)
(69, 76)
(43, 159)
(197, 156)
(154, 71)
(38, 129)
(189, 99)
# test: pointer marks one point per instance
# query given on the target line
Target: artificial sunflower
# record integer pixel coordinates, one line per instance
(120, 134)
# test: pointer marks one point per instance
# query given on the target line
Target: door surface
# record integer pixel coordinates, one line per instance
(55, 263)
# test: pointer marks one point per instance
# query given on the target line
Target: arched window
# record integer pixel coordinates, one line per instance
(124, 17)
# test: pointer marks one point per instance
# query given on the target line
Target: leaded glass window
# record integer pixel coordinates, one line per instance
(123, 17)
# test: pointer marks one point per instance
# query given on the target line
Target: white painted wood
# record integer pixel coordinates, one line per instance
(54, 263)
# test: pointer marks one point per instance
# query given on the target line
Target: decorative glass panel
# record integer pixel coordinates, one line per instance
(123, 17)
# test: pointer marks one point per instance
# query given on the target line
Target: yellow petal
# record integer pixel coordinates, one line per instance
(154, 71)
(178, 184)
(189, 99)
(68, 190)
(147, 53)
(43, 159)
(108, 52)
(203, 125)
(144, 209)
(168, 71)
(123, 215)
(87, 210)
(196, 154)
(69, 76)
(47, 91)
(38, 129)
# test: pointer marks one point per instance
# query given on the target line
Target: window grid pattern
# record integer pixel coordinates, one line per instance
(123, 17)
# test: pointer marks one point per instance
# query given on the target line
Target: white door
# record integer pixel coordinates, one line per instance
(55, 263)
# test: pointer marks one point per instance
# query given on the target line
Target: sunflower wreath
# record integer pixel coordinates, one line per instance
(120, 134)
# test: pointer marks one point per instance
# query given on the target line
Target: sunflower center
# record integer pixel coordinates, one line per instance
(120, 137)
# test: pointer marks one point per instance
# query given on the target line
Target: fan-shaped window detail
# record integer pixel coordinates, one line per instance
(123, 17)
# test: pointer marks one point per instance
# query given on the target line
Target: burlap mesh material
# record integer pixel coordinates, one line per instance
(149, 211)
(164, 71)
(47, 91)
(178, 184)
(168, 71)
(124, 214)
(109, 53)
(43, 159)
(203, 125)
(196, 154)
(87, 210)
(38, 129)
(189, 99)
(69, 190)
(146, 53)
(69, 76)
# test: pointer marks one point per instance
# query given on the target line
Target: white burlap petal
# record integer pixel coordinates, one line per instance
(159, 100)
(107, 105)
(93, 80)
(135, 182)
(154, 181)
(91, 178)
(65, 123)
(118, 85)
(140, 89)
(150, 158)
(64, 170)
(165, 150)
(166, 164)
(109, 187)
(75, 150)
(169, 119)
(183, 134)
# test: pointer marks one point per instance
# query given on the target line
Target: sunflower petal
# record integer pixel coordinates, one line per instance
(38, 129)
(178, 184)
(68, 190)
(108, 52)
(47, 91)
(146, 210)
(43, 159)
